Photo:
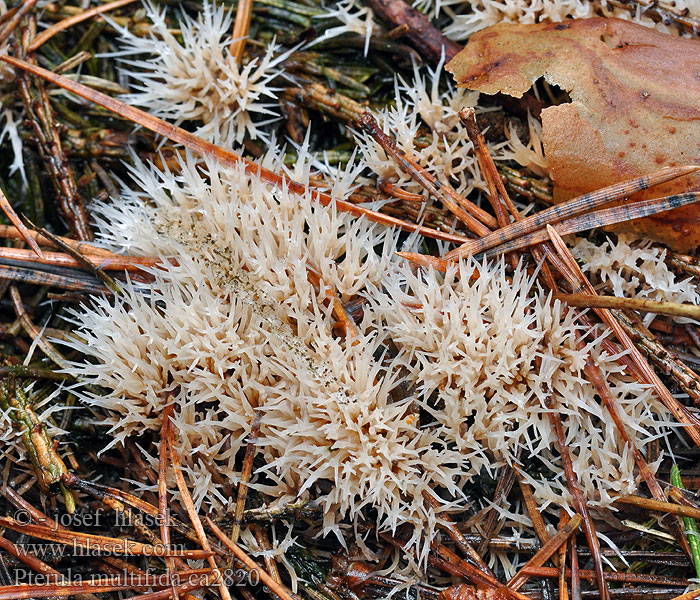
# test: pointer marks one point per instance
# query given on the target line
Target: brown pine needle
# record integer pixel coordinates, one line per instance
(579, 501)
(13, 233)
(47, 34)
(179, 135)
(674, 309)
(498, 197)
(245, 477)
(277, 588)
(17, 222)
(476, 219)
(424, 260)
(571, 208)
(399, 193)
(98, 543)
(611, 576)
(163, 510)
(546, 552)
(114, 262)
(186, 500)
(533, 511)
(240, 29)
(600, 218)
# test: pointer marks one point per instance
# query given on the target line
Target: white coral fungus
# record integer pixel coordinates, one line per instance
(353, 18)
(447, 153)
(199, 80)
(634, 270)
(445, 376)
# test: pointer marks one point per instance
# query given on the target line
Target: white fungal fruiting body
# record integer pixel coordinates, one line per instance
(354, 18)
(485, 357)
(447, 154)
(199, 80)
(632, 270)
(237, 327)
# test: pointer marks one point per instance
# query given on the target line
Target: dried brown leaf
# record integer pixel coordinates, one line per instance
(635, 106)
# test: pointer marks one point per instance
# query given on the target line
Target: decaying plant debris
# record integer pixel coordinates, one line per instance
(289, 314)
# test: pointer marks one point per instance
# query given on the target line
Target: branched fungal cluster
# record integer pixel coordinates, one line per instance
(444, 376)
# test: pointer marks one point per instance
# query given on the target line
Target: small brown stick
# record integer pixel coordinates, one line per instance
(572, 208)
(428, 40)
(639, 366)
(240, 29)
(474, 218)
(186, 500)
(245, 476)
(659, 506)
(674, 309)
(578, 499)
(17, 222)
(545, 553)
(48, 33)
(277, 588)
(224, 157)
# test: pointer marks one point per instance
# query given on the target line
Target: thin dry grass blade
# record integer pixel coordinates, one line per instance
(572, 208)
(17, 222)
(546, 552)
(179, 135)
(280, 590)
(47, 34)
(98, 543)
